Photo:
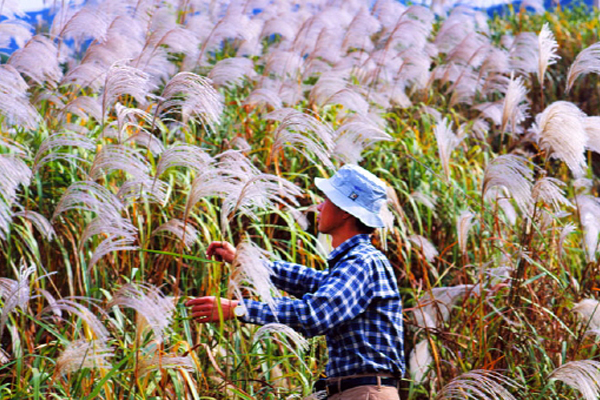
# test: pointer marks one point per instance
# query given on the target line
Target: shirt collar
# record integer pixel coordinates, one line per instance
(348, 244)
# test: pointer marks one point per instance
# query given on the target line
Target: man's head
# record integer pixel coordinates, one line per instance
(356, 192)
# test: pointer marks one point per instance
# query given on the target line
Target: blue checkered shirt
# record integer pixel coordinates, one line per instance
(355, 304)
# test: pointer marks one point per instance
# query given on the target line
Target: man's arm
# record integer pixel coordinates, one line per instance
(343, 295)
(296, 279)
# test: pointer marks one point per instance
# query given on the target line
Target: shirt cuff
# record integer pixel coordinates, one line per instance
(257, 313)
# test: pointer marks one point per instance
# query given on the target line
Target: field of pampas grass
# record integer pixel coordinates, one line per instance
(134, 133)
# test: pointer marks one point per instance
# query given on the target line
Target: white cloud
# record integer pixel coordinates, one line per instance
(34, 5)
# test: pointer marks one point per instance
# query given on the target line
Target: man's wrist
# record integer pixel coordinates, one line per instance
(239, 310)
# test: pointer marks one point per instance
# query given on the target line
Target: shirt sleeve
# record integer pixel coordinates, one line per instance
(344, 293)
(296, 279)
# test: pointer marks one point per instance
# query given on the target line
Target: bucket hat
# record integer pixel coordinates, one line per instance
(356, 191)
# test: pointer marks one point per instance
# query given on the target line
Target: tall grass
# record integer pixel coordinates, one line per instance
(135, 133)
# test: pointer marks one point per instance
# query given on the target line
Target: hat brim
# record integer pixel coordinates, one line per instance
(366, 217)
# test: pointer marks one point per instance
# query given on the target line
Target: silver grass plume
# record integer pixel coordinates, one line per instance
(89, 196)
(583, 376)
(38, 60)
(147, 300)
(513, 110)
(81, 354)
(592, 129)
(14, 29)
(130, 117)
(252, 265)
(10, 9)
(264, 96)
(464, 224)
(14, 99)
(588, 311)
(87, 23)
(231, 72)
(192, 94)
(589, 215)
(500, 196)
(350, 100)
(84, 313)
(14, 173)
(123, 79)
(183, 155)
(513, 174)
(478, 385)
(119, 158)
(85, 107)
(547, 49)
(299, 130)
(524, 53)
(183, 231)
(108, 225)
(157, 361)
(144, 189)
(419, 361)
(428, 249)
(433, 308)
(61, 139)
(549, 191)
(565, 231)
(293, 341)
(447, 141)
(40, 222)
(109, 245)
(422, 198)
(588, 60)
(15, 293)
(354, 135)
(561, 132)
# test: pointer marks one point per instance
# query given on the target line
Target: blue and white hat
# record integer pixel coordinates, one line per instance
(356, 191)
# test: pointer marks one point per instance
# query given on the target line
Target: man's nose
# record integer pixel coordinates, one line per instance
(320, 206)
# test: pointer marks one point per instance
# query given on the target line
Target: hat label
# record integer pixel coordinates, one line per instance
(353, 196)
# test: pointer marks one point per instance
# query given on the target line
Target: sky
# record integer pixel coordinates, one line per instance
(33, 5)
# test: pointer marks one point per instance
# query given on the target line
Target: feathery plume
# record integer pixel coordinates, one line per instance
(588, 60)
(252, 265)
(14, 100)
(144, 189)
(298, 129)
(81, 354)
(84, 313)
(192, 94)
(354, 135)
(524, 53)
(119, 158)
(230, 72)
(15, 293)
(157, 361)
(183, 155)
(108, 225)
(109, 245)
(447, 141)
(124, 79)
(513, 109)
(433, 308)
(547, 48)
(183, 231)
(422, 198)
(419, 361)
(87, 23)
(583, 376)
(57, 140)
(561, 132)
(565, 231)
(89, 196)
(14, 29)
(478, 385)
(85, 107)
(463, 226)
(592, 129)
(513, 174)
(38, 60)
(588, 311)
(589, 215)
(548, 190)
(294, 337)
(40, 222)
(428, 249)
(14, 173)
(264, 96)
(150, 303)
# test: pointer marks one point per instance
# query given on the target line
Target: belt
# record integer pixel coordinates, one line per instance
(349, 383)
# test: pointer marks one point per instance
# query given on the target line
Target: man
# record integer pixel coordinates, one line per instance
(355, 304)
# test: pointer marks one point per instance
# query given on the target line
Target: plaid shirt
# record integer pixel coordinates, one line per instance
(356, 304)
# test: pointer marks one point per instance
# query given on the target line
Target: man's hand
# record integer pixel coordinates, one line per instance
(206, 309)
(221, 251)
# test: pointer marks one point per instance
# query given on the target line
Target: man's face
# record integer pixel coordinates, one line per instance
(330, 217)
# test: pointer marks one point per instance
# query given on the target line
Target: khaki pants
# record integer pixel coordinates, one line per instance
(367, 393)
